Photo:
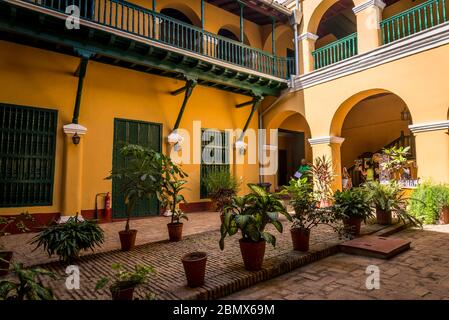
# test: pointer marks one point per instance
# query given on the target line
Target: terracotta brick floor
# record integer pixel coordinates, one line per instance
(419, 273)
(149, 230)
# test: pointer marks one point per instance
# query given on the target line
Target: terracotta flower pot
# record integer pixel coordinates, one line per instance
(175, 231)
(122, 293)
(353, 225)
(195, 268)
(300, 239)
(4, 265)
(384, 217)
(444, 215)
(252, 254)
(127, 239)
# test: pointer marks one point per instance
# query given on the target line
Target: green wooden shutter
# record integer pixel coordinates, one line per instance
(27, 155)
(148, 135)
(216, 144)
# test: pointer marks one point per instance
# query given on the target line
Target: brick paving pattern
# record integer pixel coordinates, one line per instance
(149, 230)
(169, 282)
(419, 273)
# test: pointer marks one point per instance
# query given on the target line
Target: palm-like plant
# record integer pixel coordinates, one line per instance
(390, 197)
(141, 175)
(172, 183)
(250, 214)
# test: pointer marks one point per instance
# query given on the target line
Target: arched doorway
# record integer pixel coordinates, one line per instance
(293, 146)
(176, 31)
(375, 122)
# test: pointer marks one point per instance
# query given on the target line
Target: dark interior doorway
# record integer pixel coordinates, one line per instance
(291, 151)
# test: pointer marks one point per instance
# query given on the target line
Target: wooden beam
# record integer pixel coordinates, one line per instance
(255, 104)
(190, 85)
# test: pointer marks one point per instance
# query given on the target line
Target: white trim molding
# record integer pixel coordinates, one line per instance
(429, 126)
(72, 128)
(416, 43)
(369, 4)
(308, 36)
(326, 140)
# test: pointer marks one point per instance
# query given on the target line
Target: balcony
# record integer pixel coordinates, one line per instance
(116, 30)
(416, 19)
(409, 22)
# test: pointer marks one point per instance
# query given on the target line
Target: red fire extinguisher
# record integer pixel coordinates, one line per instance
(107, 207)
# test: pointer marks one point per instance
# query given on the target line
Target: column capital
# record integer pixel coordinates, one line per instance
(72, 128)
(308, 36)
(429, 126)
(369, 4)
(326, 140)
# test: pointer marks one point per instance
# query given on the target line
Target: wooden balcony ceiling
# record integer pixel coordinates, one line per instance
(31, 28)
(255, 11)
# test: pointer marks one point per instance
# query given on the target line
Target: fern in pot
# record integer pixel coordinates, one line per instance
(250, 215)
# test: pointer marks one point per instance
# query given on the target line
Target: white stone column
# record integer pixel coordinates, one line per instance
(369, 16)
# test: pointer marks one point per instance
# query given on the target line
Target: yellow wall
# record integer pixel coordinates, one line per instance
(34, 77)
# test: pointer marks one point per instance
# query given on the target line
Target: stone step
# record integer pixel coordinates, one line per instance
(375, 246)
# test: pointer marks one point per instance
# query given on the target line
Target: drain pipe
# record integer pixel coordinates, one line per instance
(261, 138)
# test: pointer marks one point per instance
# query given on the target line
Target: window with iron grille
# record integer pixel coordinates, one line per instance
(27, 155)
(214, 155)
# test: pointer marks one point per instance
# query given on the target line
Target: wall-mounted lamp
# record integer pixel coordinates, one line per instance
(405, 115)
(76, 139)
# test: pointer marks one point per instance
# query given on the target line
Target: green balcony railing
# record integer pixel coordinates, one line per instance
(137, 20)
(411, 21)
(336, 51)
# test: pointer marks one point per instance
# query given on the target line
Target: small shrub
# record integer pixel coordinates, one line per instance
(427, 200)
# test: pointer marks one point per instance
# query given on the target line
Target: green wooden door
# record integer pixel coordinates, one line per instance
(142, 133)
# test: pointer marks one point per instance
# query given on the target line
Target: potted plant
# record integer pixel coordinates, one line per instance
(141, 177)
(5, 223)
(250, 214)
(125, 281)
(170, 196)
(323, 177)
(221, 186)
(67, 239)
(354, 207)
(430, 203)
(308, 213)
(195, 268)
(29, 286)
(388, 198)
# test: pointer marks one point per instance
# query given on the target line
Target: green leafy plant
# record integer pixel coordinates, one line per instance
(390, 197)
(427, 200)
(323, 177)
(67, 239)
(353, 203)
(221, 186)
(397, 160)
(124, 279)
(141, 175)
(172, 184)
(308, 213)
(250, 214)
(28, 285)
